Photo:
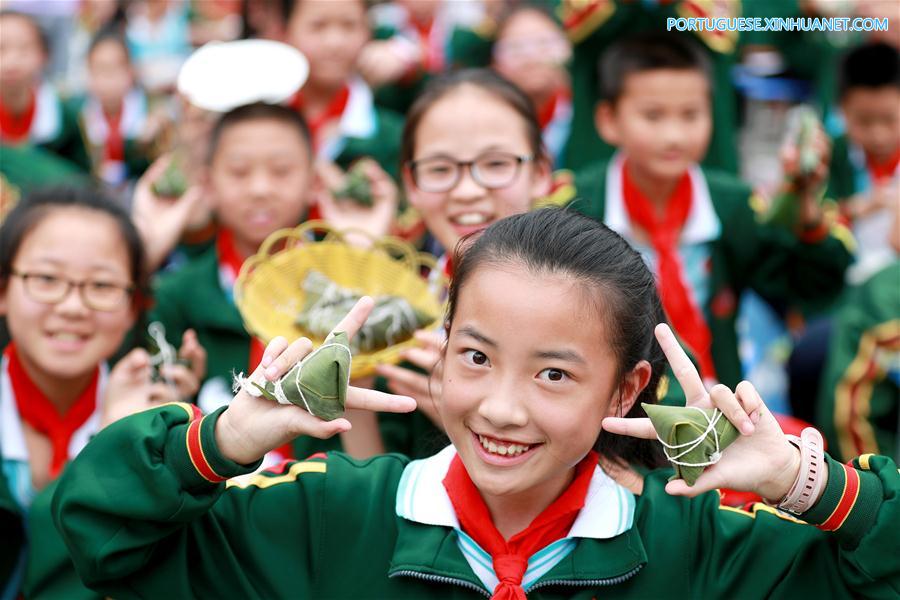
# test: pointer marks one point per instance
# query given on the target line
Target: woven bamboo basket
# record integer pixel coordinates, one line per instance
(270, 295)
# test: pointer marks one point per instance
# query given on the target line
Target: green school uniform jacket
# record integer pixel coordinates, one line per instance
(594, 25)
(859, 400)
(140, 520)
(727, 250)
(94, 131)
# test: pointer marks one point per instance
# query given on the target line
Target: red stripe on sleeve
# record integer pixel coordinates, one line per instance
(845, 505)
(195, 452)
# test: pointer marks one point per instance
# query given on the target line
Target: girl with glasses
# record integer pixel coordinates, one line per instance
(471, 155)
(70, 271)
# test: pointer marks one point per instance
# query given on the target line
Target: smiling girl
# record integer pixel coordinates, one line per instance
(70, 269)
(550, 341)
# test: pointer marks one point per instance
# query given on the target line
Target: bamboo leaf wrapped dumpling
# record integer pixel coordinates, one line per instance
(317, 383)
(692, 437)
(392, 320)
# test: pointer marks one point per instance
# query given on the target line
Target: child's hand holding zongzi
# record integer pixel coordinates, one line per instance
(253, 425)
(760, 460)
(346, 213)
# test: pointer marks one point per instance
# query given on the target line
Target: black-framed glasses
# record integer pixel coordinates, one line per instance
(96, 294)
(491, 170)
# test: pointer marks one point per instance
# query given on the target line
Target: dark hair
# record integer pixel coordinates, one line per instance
(559, 240)
(488, 81)
(43, 40)
(109, 34)
(31, 210)
(259, 111)
(647, 52)
(869, 66)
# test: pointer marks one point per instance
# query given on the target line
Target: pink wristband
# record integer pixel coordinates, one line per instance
(809, 483)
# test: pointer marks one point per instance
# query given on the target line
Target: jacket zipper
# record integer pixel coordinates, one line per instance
(442, 579)
(588, 582)
(569, 582)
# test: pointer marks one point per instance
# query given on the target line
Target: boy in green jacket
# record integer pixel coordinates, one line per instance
(700, 229)
(261, 180)
(535, 496)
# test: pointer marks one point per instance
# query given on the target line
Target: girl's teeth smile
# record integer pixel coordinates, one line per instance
(502, 448)
(470, 219)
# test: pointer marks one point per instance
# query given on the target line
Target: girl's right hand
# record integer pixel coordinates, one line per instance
(252, 426)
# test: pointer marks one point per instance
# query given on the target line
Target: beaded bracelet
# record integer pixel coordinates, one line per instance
(809, 483)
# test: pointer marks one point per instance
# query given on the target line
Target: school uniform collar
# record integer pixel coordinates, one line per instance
(12, 435)
(702, 224)
(603, 544)
(47, 115)
(358, 121)
(134, 114)
(608, 507)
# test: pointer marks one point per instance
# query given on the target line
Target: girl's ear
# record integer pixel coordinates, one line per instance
(541, 177)
(606, 123)
(412, 192)
(3, 288)
(630, 388)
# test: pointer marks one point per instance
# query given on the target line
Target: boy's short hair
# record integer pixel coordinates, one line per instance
(108, 34)
(43, 40)
(647, 52)
(869, 66)
(259, 111)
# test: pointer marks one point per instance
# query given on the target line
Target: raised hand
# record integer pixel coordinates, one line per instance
(343, 213)
(252, 426)
(162, 221)
(761, 460)
(424, 388)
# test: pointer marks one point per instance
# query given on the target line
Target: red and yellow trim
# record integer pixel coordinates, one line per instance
(196, 453)
(853, 392)
(580, 18)
(846, 503)
(262, 480)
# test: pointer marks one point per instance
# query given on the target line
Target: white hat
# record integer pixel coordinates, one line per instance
(221, 76)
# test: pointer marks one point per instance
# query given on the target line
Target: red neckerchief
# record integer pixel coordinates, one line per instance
(448, 268)
(883, 170)
(548, 109)
(114, 149)
(333, 110)
(230, 262)
(15, 128)
(510, 557)
(432, 55)
(37, 410)
(686, 318)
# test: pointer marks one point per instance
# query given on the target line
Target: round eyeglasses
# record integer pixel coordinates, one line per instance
(491, 170)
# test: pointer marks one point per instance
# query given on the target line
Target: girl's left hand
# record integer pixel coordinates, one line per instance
(343, 213)
(761, 460)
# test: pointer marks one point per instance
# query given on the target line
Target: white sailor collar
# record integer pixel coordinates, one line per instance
(608, 507)
(47, 115)
(12, 436)
(702, 224)
(134, 115)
